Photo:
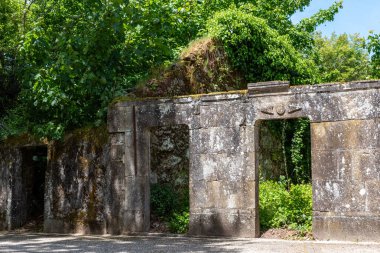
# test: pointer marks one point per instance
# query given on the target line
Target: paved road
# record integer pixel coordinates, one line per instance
(11, 242)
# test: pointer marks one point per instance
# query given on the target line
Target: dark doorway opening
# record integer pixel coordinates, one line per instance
(285, 191)
(31, 206)
(169, 179)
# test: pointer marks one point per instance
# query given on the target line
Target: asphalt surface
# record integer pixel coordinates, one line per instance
(25, 242)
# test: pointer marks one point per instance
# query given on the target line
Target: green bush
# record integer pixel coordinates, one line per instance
(164, 200)
(171, 205)
(179, 223)
(280, 208)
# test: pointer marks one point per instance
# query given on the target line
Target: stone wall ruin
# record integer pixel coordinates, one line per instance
(345, 132)
(74, 180)
(99, 183)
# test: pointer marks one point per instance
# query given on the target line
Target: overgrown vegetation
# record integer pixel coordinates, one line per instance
(285, 195)
(10, 13)
(260, 52)
(282, 207)
(71, 58)
(293, 154)
(63, 61)
(171, 206)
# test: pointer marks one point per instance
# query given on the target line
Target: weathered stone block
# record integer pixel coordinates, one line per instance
(365, 165)
(338, 196)
(118, 170)
(352, 134)
(324, 165)
(117, 153)
(205, 166)
(135, 221)
(345, 163)
(136, 194)
(349, 105)
(228, 167)
(215, 140)
(248, 138)
(250, 194)
(251, 169)
(238, 195)
(117, 139)
(198, 197)
(120, 118)
(373, 197)
(213, 192)
(227, 114)
(195, 222)
(334, 226)
(241, 223)
(156, 114)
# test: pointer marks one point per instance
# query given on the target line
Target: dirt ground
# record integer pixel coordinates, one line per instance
(158, 226)
(286, 234)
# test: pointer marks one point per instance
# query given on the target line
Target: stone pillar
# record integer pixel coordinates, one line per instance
(346, 180)
(223, 188)
(128, 208)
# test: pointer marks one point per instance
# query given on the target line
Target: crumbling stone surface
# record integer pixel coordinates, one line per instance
(223, 130)
(12, 210)
(76, 184)
(3, 190)
(6, 166)
(271, 157)
(97, 183)
(346, 179)
(170, 155)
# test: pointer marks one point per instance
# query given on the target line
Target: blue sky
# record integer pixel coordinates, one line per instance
(357, 16)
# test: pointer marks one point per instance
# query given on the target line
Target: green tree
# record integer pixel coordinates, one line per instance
(374, 50)
(258, 50)
(341, 58)
(10, 16)
(76, 56)
(72, 61)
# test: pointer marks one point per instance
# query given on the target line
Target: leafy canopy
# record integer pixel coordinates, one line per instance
(9, 26)
(374, 49)
(74, 57)
(258, 50)
(341, 58)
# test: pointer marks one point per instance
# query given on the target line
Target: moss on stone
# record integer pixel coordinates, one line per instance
(98, 137)
(193, 96)
(23, 140)
(76, 217)
(92, 203)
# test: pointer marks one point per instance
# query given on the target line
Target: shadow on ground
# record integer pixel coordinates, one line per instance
(21, 242)
(33, 243)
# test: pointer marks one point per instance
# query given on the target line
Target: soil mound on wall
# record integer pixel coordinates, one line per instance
(201, 68)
